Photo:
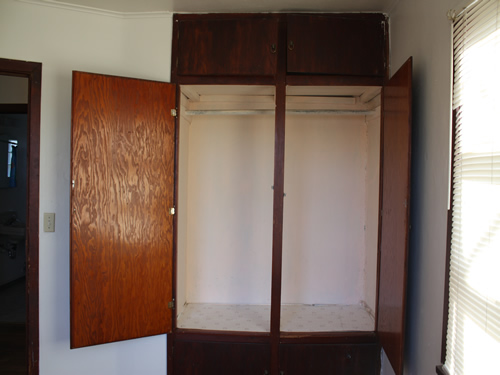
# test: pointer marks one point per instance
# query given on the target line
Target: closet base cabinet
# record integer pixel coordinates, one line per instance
(200, 357)
(208, 357)
(330, 359)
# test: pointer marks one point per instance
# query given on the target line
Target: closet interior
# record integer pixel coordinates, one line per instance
(225, 208)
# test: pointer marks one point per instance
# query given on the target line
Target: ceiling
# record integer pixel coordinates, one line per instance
(234, 6)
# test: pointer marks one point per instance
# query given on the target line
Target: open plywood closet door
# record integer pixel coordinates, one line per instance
(394, 232)
(122, 172)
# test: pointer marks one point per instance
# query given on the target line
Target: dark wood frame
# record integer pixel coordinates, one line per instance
(32, 71)
(280, 80)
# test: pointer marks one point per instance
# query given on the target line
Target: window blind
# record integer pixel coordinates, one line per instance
(473, 332)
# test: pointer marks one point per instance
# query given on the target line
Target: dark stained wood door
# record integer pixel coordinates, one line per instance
(221, 358)
(395, 214)
(336, 44)
(122, 170)
(225, 45)
(330, 359)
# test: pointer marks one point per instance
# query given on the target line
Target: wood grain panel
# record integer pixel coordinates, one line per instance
(207, 358)
(317, 359)
(225, 45)
(395, 202)
(123, 145)
(338, 44)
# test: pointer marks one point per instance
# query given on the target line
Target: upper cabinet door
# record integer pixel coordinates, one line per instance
(225, 45)
(122, 171)
(395, 214)
(338, 44)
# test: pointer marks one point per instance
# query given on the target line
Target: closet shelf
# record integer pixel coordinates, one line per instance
(294, 318)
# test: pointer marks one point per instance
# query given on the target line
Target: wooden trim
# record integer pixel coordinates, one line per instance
(223, 80)
(223, 16)
(380, 195)
(32, 71)
(170, 352)
(176, 204)
(175, 48)
(328, 80)
(294, 80)
(13, 108)
(171, 336)
(220, 336)
(350, 337)
(387, 50)
(277, 253)
(278, 197)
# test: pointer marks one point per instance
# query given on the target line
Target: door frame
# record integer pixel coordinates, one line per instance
(32, 71)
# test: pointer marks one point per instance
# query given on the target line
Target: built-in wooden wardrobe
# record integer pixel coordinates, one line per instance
(256, 209)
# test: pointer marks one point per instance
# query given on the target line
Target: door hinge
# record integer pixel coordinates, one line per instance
(173, 112)
(171, 304)
(171, 211)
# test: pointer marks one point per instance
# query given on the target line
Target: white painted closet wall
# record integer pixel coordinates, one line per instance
(225, 210)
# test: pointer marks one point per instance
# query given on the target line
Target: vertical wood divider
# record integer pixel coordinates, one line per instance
(171, 335)
(279, 168)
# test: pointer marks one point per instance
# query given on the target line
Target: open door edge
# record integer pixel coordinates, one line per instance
(395, 210)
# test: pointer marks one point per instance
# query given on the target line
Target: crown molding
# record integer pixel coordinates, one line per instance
(101, 12)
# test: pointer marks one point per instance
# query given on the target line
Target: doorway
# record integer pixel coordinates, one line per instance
(29, 332)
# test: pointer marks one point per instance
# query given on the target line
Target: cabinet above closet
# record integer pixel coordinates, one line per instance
(226, 45)
(336, 44)
(249, 45)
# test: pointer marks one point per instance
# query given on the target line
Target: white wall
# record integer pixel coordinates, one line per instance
(372, 195)
(230, 209)
(421, 29)
(65, 40)
(324, 210)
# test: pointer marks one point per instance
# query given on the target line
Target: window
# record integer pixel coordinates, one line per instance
(473, 323)
(11, 156)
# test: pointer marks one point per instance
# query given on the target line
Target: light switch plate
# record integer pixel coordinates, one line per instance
(49, 222)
